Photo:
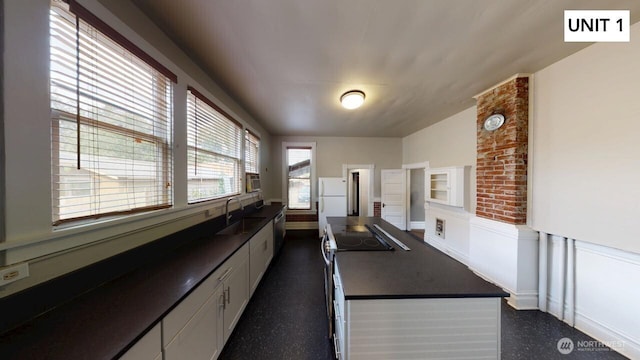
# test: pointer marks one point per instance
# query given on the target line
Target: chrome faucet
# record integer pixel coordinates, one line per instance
(228, 216)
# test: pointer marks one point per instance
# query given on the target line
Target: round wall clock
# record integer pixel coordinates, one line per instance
(493, 122)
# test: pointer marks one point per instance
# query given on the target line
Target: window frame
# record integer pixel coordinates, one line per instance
(247, 139)
(285, 176)
(163, 144)
(240, 160)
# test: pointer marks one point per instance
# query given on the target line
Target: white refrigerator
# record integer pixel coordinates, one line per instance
(332, 199)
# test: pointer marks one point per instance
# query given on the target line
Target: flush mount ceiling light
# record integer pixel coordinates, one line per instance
(352, 99)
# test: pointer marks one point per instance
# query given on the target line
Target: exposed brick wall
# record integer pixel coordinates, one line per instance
(502, 154)
(377, 209)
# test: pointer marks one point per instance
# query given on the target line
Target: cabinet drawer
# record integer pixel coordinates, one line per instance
(181, 314)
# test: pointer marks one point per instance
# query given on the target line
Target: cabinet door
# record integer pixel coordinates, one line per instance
(201, 337)
(236, 288)
(261, 253)
(269, 249)
(147, 348)
(257, 249)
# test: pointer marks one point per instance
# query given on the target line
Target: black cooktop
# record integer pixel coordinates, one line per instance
(360, 238)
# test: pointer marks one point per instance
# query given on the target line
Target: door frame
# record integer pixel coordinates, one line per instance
(408, 167)
(371, 167)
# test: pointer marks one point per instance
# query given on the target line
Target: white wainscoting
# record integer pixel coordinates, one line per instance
(597, 291)
(456, 235)
(506, 255)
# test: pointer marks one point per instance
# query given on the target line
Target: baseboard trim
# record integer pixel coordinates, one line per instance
(418, 225)
(616, 340)
(524, 301)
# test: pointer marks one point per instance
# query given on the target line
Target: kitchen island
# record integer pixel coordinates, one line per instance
(415, 304)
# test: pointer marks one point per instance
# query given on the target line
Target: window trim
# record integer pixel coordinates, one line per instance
(114, 35)
(56, 118)
(286, 145)
(244, 153)
(164, 145)
(241, 174)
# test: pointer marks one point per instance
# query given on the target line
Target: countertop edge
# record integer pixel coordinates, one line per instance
(28, 338)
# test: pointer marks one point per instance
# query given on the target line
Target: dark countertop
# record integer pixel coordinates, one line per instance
(104, 322)
(422, 272)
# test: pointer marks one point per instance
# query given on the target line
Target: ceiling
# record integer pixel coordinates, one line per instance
(419, 61)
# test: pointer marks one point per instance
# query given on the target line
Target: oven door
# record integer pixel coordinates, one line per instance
(327, 255)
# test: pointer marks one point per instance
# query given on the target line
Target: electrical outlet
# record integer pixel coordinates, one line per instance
(440, 228)
(13, 273)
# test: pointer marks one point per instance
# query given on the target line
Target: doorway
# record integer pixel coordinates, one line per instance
(359, 189)
(416, 196)
(416, 201)
(354, 207)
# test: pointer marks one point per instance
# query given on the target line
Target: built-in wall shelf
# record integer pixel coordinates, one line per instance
(446, 185)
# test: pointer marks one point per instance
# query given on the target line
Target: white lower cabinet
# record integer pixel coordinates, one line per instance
(200, 325)
(147, 348)
(261, 253)
(236, 293)
(200, 338)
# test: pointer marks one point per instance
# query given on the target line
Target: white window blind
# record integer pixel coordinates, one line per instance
(214, 152)
(111, 120)
(251, 152)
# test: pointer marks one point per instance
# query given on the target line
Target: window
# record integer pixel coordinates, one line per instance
(299, 166)
(214, 152)
(111, 109)
(251, 152)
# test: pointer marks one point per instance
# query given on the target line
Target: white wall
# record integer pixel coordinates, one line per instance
(333, 152)
(29, 233)
(585, 169)
(450, 142)
(586, 153)
(585, 160)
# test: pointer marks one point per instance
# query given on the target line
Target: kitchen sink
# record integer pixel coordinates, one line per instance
(245, 225)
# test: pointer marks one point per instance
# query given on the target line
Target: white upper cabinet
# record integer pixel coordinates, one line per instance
(446, 185)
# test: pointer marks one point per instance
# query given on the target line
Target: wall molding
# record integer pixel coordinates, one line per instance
(601, 312)
(441, 245)
(420, 165)
(506, 255)
(501, 228)
(605, 333)
(419, 225)
(450, 211)
(613, 253)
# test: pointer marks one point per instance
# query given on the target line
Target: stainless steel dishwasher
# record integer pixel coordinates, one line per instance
(278, 232)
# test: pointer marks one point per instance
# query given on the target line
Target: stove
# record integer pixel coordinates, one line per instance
(359, 238)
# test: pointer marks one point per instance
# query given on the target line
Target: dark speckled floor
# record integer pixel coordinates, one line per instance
(286, 317)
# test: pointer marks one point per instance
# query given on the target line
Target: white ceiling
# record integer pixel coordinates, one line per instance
(419, 61)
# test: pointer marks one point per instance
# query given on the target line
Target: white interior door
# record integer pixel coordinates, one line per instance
(394, 197)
